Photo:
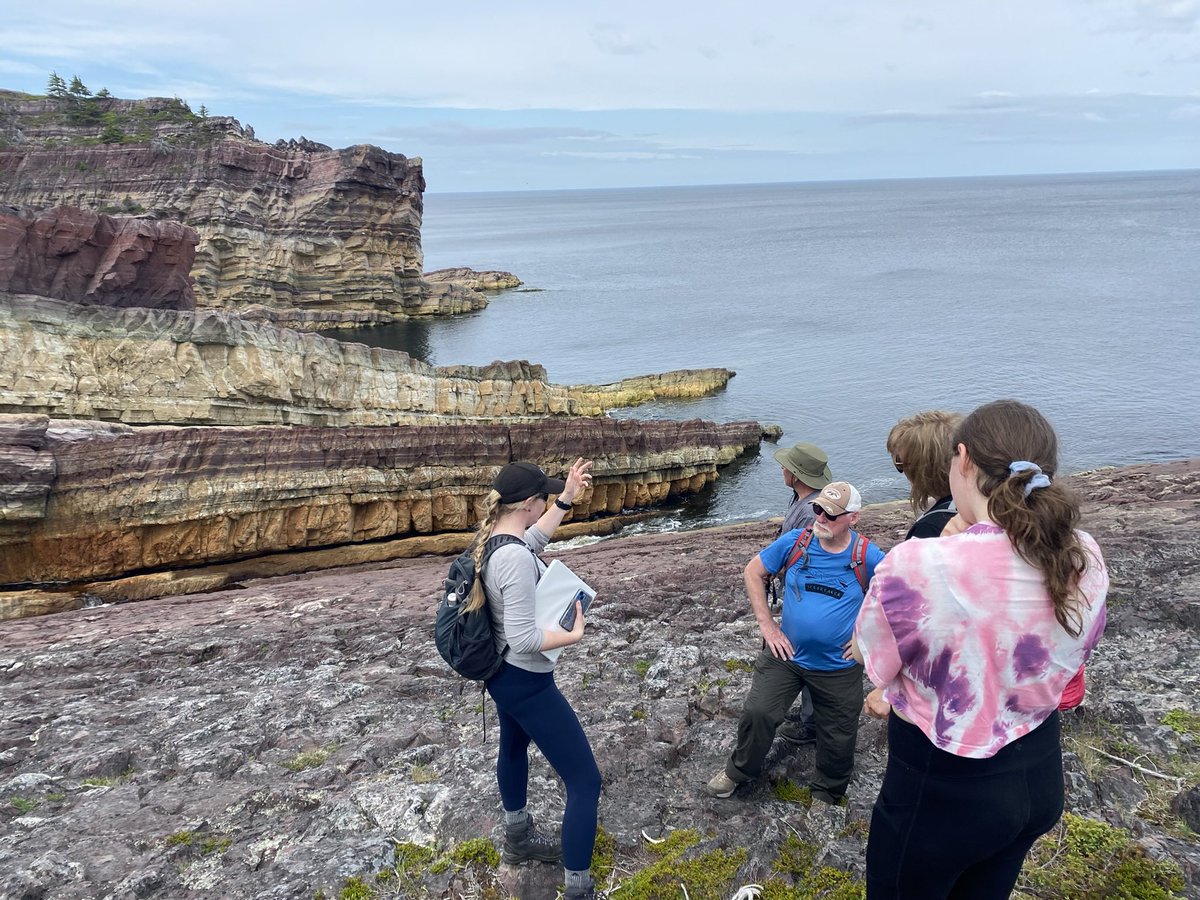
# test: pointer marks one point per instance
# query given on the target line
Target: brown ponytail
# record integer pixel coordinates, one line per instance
(1041, 524)
(492, 510)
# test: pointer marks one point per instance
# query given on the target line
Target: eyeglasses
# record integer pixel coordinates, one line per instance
(820, 511)
(899, 464)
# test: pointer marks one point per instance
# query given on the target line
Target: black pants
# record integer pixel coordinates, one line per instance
(946, 826)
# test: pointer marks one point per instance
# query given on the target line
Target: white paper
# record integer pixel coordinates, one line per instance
(556, 590)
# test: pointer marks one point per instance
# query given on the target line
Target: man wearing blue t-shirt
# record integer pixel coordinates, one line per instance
(807, 649)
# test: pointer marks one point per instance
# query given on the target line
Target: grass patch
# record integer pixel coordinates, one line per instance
(180, 839)
(799, 878)
(789, 792)
(638, 714)
(1183, 721)
(55, 798)
(412, 861)
(24, 805)
(642, 666)
(423, 774)
(356, 888)
(308, 759)
(478, 852)
(1084, 859)
(216, 843)
(738, 665)
(705, 876)
(604, 855)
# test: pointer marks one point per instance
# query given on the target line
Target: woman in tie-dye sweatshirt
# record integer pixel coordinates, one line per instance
(973, 639)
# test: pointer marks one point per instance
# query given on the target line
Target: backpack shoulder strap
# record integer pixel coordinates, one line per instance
(798, 550)
(858, 560)
(496, 541)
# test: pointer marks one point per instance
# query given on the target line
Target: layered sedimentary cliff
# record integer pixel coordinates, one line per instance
(154, 367)
(307, 235)
(283, 737)
(104, 500)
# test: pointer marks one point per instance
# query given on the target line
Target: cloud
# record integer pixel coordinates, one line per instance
(616, 40)
(1151, 16)
(1093, 106)
(461, 134)
(618, 155)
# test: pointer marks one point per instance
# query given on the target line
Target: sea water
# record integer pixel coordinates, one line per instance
(843, 306)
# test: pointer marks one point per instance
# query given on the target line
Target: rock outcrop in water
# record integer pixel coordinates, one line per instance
(476, 281)
(156, 367)
(296, 232)
(285, 737)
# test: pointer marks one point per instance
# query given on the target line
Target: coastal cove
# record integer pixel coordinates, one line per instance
(844, 306)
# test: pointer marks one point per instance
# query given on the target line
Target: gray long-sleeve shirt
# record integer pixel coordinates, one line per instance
(510, 578)
(800, 512)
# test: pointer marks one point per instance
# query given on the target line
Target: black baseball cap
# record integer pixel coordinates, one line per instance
(521, 480)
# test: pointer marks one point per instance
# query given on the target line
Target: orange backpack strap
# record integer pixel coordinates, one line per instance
(798, 550)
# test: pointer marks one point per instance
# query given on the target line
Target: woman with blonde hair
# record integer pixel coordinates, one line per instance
(529, 704)
(921, 446)
(973, 638)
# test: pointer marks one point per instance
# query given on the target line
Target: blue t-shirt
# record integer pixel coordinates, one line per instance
(821, 599)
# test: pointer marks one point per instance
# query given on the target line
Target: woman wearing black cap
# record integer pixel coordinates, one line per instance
(529, 704)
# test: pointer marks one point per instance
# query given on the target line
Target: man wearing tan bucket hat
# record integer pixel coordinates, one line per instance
(805, 471)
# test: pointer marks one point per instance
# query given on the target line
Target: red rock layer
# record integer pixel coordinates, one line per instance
(125, 500)
(96, 260)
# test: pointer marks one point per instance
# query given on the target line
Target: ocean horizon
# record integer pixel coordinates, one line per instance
(845, 305)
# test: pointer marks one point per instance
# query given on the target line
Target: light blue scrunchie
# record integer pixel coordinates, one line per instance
(1037, 481)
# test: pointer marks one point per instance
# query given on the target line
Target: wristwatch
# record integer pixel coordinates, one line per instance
(559, 503)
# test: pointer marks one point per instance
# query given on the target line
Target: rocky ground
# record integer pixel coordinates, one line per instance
(300, 737)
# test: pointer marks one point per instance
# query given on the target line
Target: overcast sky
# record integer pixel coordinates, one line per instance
(533, 94)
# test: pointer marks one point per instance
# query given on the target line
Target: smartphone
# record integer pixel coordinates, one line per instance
(567, 622)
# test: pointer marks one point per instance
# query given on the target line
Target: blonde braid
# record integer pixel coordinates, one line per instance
(491, 512)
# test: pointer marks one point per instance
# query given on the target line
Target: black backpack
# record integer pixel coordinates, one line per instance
(465, 639)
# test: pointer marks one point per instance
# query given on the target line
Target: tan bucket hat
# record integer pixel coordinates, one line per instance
(807, 462)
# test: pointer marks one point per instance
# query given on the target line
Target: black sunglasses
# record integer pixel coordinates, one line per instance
(820, 511)
(899, 464)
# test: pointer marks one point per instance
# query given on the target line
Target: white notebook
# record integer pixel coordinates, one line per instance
(557, 589)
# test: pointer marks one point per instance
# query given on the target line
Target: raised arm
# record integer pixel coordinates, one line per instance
(578, 478)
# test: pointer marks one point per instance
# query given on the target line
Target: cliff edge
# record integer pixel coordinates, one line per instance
(294, 232)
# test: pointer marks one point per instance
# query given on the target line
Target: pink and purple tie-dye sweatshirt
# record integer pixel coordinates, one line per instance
(960, 634)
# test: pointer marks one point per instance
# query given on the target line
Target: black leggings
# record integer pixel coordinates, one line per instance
(946, 826)
(531, 707)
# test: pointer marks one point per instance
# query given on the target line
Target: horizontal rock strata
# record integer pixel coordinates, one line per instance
(276, 739)
(296, 226)
(681, 384)
(205, 367)
(123, 500)
(476, 281)
(91, 259)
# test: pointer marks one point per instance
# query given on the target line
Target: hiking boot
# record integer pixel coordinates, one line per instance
(721, 785)
(523, 841)
(797, 731)
(825, 797)
(582, 892)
